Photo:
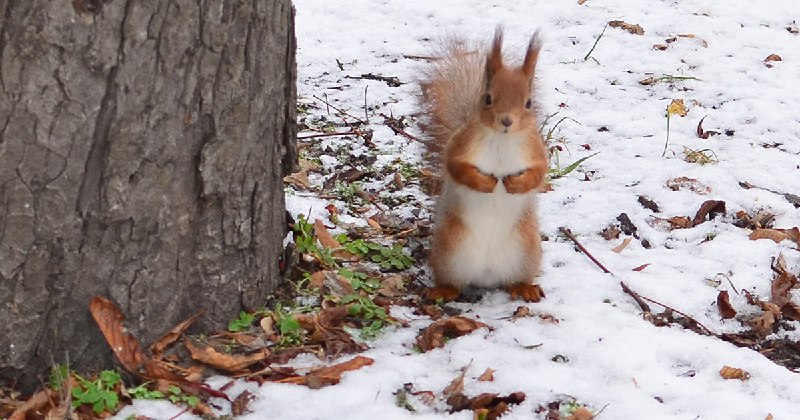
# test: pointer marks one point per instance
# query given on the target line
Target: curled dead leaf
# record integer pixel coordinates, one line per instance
(126, 347)
(680, 222)
(226, 362)
(456, 386)
(435, 334)
(703, 134)
(487, 375)
(329, 375)
(162, 343)
(493, 404)
(777, 235)
(709, 209)
(724, 305)
(630, 27)
(773, 57)
(622, 246)
(691, 184)
(327, 240)
(728, 372)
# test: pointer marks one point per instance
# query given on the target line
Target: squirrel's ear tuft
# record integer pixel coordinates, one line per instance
(532, 55)
(494, 62)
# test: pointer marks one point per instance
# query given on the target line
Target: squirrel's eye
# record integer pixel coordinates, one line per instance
(528, 104)
(487, 99)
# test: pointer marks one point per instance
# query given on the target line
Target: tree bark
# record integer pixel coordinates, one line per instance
(143, 145)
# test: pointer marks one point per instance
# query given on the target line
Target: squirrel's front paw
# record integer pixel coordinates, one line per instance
(528, 292)
(487, 183)
(517, 184)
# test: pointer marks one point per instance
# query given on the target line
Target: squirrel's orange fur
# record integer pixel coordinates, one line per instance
(494, 160)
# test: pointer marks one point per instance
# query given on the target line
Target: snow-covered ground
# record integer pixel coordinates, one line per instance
(606, 356)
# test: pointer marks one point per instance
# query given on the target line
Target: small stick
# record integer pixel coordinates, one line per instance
(586, 57)
(366, 116)
(583, 249)
(680, 313)
(313, 136)
(642, 304)
(341, 111)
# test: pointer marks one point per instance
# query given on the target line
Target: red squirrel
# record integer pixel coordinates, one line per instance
(493, 162)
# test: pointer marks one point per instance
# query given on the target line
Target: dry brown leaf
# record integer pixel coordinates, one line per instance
(581, 1)
(268, 325)
(456, 386)
(373, 224)
(658, 47)
(782, 284)
(691, 184)
(434, 335)
(724, 305)
(791, 311)
(641, 267)
(327, 240)
(777, 235)
(392, 286)
(680, 222)
(521, 312)
(162, 343)
(773, 57)
(769, 417)
(493, 404)
(703, 134)
(36, 403)
(329, 375)
(622, 246)
(226, 362)
(582, 413)
(710, 209)
(632, 28)
(611, 232)
(762, 324)
(728, 372)
(487, 375)
(336, 284)
(299, 180)
(240, 403)
(126, 347)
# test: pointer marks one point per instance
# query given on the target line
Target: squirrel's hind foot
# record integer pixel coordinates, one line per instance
(446, 293)
(526, 291)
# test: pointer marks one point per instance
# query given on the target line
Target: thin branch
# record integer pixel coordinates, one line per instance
(313, 136)
(586, 57)
(341, 111)
(583, 249)
(642, 304)
(679, 313)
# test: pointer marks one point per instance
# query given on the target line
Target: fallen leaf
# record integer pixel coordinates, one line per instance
(435, 334)
(329, 375)
(240, 403)
(692, 184)
(773, 57)
(494, 405)
(337, 285)
(676, 107)
(641, 267)
(582, 413)
(611, 232)
(680, 222)
(649, 204)
(487, 375)
(521, 312)
(392, 286)
(632, 28)
(782, 284)
(724, 305)
(268, 325)
(125, 346)
(299, 180)
(728, 372)
(373, 224)
(658, 47)
(710, 209)
(326, 239)
(769, 417)
(581, 1)
(622, 246)
(456, 386)
(702, 133)
(777, 235)
(791, 311)
(162, 343)
(35, 404)
(226, 362)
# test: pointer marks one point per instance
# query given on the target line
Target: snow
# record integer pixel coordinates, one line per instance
(617, 362)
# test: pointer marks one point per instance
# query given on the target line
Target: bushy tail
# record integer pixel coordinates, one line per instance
(451, 88)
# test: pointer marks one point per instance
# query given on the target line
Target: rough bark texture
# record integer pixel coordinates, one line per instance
(142, 149)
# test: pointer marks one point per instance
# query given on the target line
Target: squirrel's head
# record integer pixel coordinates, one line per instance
(507, 105)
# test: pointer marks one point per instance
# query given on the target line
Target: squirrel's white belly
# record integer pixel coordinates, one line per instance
(491, 253)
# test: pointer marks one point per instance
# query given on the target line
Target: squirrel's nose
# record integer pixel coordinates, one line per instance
(506, 121)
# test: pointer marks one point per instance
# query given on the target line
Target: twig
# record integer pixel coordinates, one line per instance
(708, 332)
(583, 249)
(642, 304)
(390, 122)
(366, 116)
(341, 111)
(586, 57)
(313, 136)
(389, 80)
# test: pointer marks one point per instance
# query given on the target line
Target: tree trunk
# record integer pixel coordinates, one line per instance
(143, 145)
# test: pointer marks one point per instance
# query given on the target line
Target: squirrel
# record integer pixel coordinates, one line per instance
(493, 160)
